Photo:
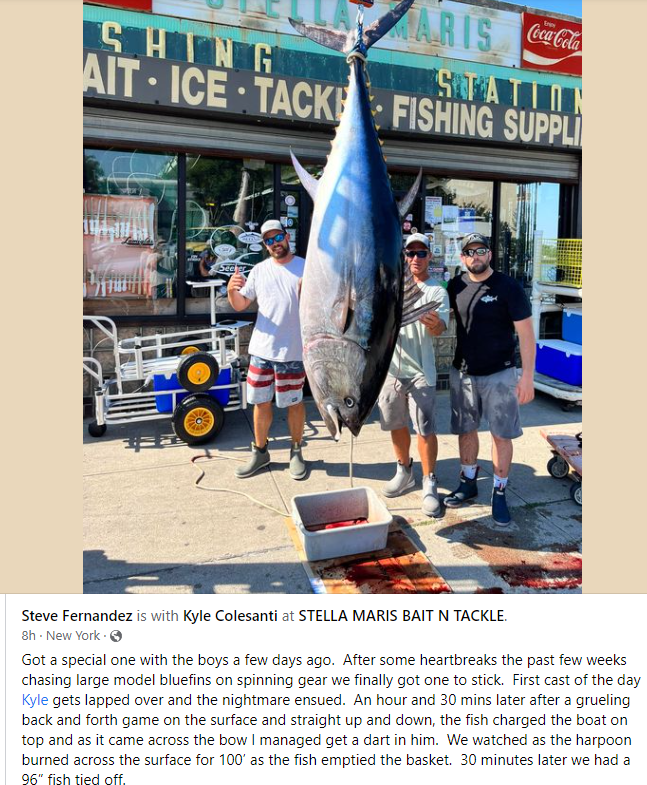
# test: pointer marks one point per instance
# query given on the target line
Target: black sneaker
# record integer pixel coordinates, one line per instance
(500, 511)
(466, 490)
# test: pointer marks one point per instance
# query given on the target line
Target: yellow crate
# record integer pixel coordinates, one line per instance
(561, 263)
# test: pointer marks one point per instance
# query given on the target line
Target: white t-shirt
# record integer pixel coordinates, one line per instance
(275, 287)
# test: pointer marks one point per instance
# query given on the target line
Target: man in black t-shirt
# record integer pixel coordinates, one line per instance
(489, 307)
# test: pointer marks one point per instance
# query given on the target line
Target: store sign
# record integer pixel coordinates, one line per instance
(551, 44)
(168, 84)
(135, 5)
(431, 27)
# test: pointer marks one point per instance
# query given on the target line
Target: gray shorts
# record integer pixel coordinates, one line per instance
(493, 396)
(404, 398)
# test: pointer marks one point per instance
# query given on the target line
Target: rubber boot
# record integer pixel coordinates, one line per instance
(297, 465)
(466, 490)
(431, 505)
(260, 458)
(402, 481)
(500, 511)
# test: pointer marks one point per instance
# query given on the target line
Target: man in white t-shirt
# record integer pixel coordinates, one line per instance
(410, 387)
(275, 350)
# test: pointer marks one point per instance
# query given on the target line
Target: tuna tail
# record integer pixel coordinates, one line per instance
(346, 42)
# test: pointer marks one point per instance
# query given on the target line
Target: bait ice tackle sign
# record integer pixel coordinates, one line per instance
(234, 92)
(551, 44)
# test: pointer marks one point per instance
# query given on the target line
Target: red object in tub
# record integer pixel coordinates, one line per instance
(317, 527)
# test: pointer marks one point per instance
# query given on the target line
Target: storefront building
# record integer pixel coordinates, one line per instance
(191, 108)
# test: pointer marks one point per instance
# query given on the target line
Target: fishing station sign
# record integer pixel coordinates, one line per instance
(234, 92)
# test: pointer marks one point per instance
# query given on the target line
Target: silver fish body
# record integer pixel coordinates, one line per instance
(351, 295)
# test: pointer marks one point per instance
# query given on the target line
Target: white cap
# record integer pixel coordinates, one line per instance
(418, 237)
(271, 226)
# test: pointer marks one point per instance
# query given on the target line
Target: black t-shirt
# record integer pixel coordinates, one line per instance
(485, 312)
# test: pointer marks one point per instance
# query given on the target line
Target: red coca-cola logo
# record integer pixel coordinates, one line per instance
(551, 44)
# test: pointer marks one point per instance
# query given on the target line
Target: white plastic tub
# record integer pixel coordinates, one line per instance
(316, 509)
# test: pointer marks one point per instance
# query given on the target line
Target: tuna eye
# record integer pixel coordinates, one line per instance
(349, 402)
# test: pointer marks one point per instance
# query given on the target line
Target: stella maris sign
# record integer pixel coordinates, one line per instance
(550, 44)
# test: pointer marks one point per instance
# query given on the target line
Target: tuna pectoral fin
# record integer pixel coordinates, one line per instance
(407, 201)
(379, 28)
(414, 314)
(310, 183)
(411, 311)
(333, 39)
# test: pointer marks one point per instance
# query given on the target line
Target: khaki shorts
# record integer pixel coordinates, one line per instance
(494, 396)
(404, 398)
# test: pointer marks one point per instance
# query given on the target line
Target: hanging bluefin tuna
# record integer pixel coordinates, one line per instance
(357, 290)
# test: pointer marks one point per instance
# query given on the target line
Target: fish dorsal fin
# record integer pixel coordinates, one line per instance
(310, 183)
(381, 26)
(411, 312)
(333, 39)
(407, 201)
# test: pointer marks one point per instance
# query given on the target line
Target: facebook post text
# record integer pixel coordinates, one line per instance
(104, 690)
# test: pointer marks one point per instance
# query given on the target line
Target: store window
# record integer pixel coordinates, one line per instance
(526, 208)
(226, 203)
(129, 232)
(452, 209)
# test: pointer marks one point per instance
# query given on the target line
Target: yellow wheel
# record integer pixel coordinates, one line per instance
(198, 418)
(190, 350)
(198, 371)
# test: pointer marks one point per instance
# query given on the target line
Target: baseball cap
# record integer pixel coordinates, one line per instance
(475, 237)
(418, 237)
(271, 226)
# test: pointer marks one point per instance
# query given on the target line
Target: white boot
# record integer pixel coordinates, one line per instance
(431, 505)
(402, 481)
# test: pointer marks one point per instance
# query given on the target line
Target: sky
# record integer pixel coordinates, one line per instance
(570, 7)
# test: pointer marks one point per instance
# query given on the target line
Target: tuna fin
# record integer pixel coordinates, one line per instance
(310, 183)
(412, 293)
(381, 26)
(333, 39)
(407, 201)
(345, 42)
(414, 314)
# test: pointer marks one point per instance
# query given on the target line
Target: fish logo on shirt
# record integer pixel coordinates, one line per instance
(489, 299)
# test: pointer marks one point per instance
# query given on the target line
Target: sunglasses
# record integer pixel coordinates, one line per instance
(418, 254)
(475, 252)
(278, 238)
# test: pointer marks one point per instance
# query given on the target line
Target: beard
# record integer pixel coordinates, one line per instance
(279, 250)
(477, 267)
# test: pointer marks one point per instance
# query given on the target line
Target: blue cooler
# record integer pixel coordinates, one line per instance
(572, 324)
(164, 403)
(560, 360)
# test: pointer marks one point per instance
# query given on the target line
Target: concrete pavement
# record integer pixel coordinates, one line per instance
(148, 528)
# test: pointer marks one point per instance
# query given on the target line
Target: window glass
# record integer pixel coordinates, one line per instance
(454, 208)
(526, 208)
(129, 232)
(227, 201)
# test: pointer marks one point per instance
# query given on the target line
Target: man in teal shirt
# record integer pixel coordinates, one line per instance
(410, 388)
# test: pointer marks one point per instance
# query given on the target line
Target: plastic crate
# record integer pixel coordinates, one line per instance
(164, 403)
(572, 325)
(561, 263)
(560, 360)
(314, 509)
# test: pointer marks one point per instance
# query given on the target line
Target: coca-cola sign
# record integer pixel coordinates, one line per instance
(551, 44)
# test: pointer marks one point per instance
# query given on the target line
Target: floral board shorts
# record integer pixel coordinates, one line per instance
(265, 377)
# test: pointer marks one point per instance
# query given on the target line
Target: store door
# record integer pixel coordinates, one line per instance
(525, 208)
